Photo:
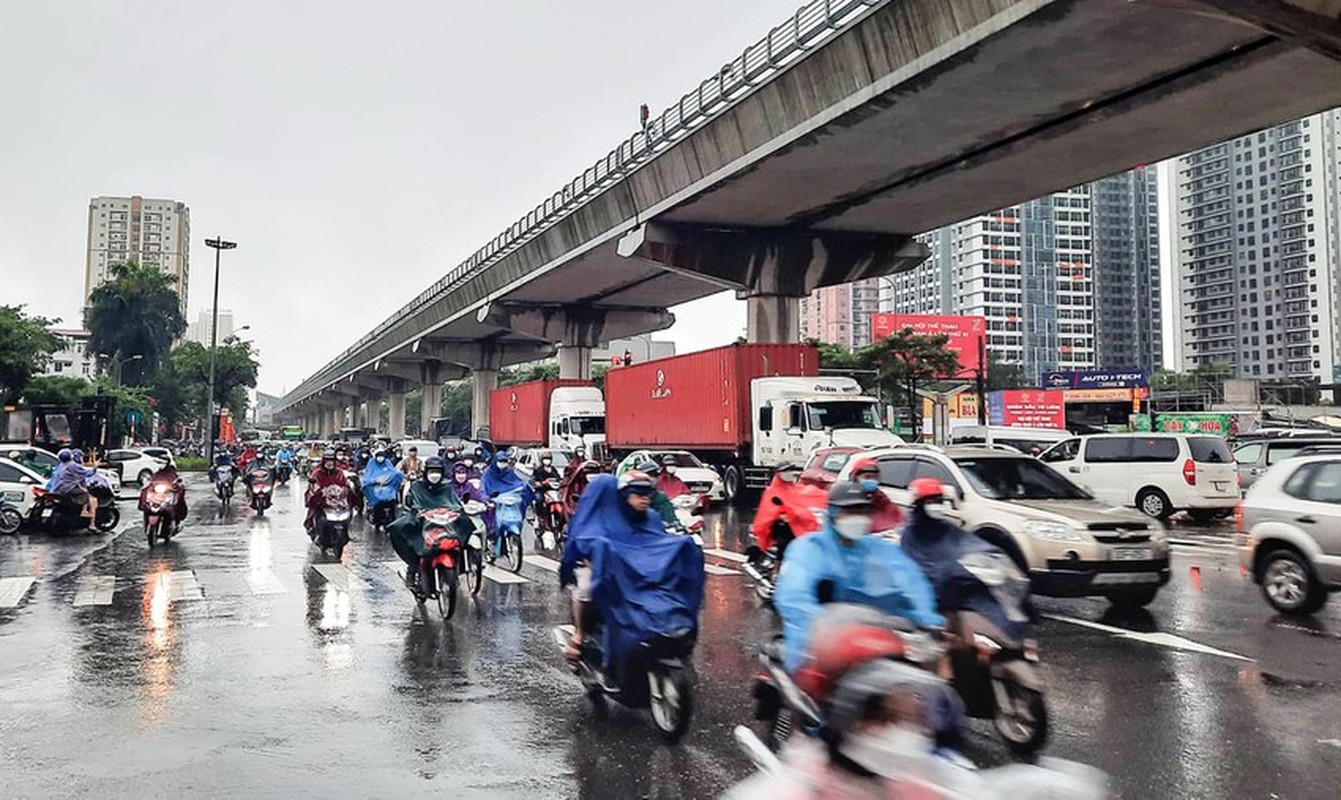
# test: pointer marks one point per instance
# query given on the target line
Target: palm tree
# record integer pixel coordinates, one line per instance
(136, 312)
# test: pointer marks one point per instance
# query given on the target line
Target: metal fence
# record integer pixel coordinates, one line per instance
(812, 25)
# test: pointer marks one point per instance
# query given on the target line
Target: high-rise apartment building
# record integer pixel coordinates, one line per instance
(1039, 272)
(841, 314)
(1258, 256)
(202, 329)
(155, 233)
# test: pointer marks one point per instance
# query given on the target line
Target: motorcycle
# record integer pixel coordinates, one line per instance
(453, 546)
(283, 472)
(57, 512)
(224, 479)
(551, 516)
(506, 541)
(159, 502)
(788, 509)
(688, 513)
(655, 675)
(11, 519)
(996, 669)
(259, 490)
(332, 523)
(382, 504)
(355, 486)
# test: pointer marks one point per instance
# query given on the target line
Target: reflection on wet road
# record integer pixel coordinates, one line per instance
(237, 660)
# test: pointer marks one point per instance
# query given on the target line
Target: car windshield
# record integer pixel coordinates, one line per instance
(583, 426)
(842, 414)
(682, 459)
(1018, 479)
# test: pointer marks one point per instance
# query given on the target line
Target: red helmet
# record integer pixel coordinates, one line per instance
(926, 489)
(864, 464)
(844, 637)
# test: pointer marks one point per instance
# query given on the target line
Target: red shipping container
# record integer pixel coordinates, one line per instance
(519, 414)
(698, 400)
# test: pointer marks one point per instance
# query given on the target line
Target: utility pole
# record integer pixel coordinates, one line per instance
(219, 246)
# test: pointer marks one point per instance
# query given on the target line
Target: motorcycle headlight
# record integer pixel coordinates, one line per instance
(1048, 531)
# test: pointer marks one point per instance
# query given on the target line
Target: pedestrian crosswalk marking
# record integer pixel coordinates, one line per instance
(728, 555)
(95, 590)
(13, 590)
(182, 585)
(502, 576)
(543, 562)
(713, 569)
(338, 575)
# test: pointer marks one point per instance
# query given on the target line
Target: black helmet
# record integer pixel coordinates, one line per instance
(434, 462)
(590, 466)
(846, 494)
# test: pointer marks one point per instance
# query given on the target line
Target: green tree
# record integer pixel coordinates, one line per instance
(1004, 374)
(25, 347)
(235, 368)
(531, 372)
(62, 389)
(136, 312)
(907, 361)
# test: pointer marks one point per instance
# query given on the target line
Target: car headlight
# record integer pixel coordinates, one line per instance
(1048, 531)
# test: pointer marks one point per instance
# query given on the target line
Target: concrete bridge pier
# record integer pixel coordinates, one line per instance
(482, 382)
(772, 319)
(577, 329)
(395, 415)
(430, 398)
(575, 362)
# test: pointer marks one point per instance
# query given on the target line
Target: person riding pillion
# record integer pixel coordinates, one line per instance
(842, 563)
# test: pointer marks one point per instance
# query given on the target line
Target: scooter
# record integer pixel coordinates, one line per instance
(159, 503)
(224, 480)
(689, 511)
(283, 472)
(332, 523)
(381, 502)
(655, 675)
(453, 546)
(56, 513)
(259, 490)
(788, 509)
(506, 541)
(551, 516)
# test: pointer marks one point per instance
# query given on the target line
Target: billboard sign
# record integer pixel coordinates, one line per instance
(1097, 379)
(1027, 408)
(965, 334)
(1216, 424)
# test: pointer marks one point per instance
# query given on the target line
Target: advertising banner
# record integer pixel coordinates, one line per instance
(1027, 408)
(1097, 379)
(965, 334)
(1216, 424)
(1097, 395)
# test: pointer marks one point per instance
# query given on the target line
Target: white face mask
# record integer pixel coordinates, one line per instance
(469, 462)
(381, 459)
(434, 477)
(852, 526)
(936, 511)
(670, 470)
(889, 752)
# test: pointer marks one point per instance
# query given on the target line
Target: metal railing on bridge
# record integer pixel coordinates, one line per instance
(811, 25)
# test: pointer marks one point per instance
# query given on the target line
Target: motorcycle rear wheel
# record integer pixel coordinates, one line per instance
(446, 579)
(107, 519)
(1024, 727)
(10, 520)
(512, 551)
(474, 571)
(671, 701)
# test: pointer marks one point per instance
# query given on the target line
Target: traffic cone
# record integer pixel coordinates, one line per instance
(1196, 577)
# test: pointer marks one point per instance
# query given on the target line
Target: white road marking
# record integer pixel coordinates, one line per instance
(713, 569)
(13, 590)
(337, 575)
(543, 562)
(182, 585)
(95, 590)
(739, 558)
(264, 582)
(502, 576)
(1158, 638)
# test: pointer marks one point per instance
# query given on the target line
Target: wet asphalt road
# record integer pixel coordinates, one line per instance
(239, 661)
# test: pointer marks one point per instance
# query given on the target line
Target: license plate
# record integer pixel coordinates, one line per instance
(12, 497)
(1132, 554)
(46, 513)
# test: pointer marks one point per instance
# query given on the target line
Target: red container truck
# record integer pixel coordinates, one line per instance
(744, 409)
(559, 412)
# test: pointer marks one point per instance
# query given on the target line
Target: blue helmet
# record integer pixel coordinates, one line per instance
(64, 455)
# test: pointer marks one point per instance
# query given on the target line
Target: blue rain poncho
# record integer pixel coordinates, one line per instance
(644, 582)
(381, 482)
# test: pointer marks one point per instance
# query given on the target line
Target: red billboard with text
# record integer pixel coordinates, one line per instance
(965, 334)
(1027, 408)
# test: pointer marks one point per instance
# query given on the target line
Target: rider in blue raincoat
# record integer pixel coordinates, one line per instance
(643, 582)
(843, 563)
(381, 480)
(500, 479)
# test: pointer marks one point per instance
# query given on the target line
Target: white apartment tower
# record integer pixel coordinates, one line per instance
(1040, 272)
(155, 233)
(1258, 257)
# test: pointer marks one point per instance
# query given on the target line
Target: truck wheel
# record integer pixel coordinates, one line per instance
(733, 485)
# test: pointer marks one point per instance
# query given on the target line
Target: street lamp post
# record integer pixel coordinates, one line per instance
(219, 246)
(117, 363)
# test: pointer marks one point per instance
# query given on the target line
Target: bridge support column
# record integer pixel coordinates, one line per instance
(482, 382)
(575, 362)
(772, 319)
(395, 415)
(337, 419)
(430, 405)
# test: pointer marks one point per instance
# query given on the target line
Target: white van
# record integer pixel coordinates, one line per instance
(1158, 473)
(1030, 441)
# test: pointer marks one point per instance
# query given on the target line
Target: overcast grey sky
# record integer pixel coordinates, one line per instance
(356, 151)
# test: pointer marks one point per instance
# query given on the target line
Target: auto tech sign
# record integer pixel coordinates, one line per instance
(1027, 408)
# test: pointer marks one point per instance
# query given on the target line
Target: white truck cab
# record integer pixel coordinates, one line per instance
(793, 416)
(576, 417)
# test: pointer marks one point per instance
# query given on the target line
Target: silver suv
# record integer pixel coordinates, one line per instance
(1070, 544)
(1289, 536)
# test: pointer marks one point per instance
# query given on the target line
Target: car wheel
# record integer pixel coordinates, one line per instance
(1154, 503)
(1204, 516)
(733, 484)
(1288, 584)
